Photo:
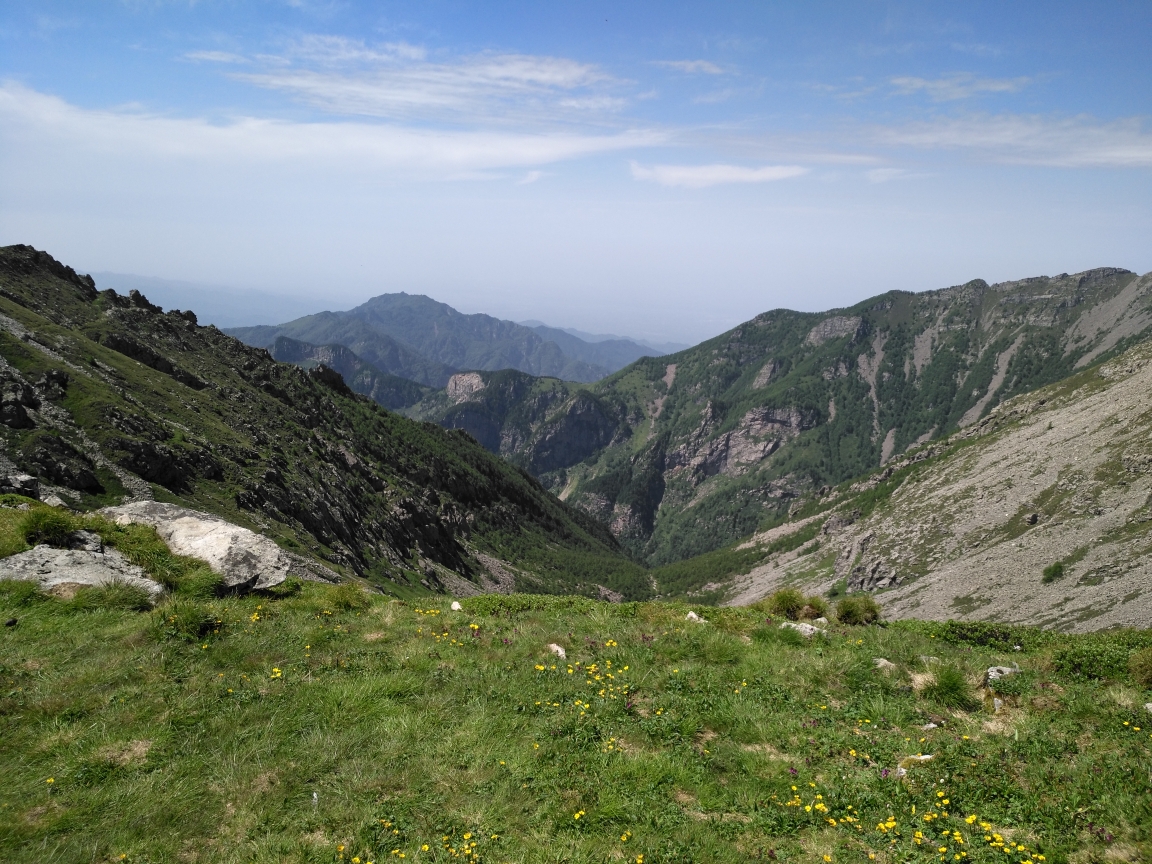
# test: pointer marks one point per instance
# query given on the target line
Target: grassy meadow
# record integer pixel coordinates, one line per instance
(322, 724)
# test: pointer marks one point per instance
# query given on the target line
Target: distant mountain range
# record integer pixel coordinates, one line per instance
(659, 347)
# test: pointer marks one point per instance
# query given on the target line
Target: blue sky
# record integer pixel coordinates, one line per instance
(662, 169)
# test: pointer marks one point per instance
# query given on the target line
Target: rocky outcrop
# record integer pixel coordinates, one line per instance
(464, 386)
(245, 560)
(833, 328)
(64, 570)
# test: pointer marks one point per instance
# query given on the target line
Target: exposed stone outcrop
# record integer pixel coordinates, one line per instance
(244, 559)
(833, 328)
(464, 385)
(64, 570)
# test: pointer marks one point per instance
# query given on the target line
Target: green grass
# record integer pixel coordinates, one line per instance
(283, 727)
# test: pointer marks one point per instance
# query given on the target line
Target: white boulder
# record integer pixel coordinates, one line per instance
(246, 560)
(557, 650)
(456, 607)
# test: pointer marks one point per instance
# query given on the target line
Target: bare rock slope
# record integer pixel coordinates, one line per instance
(1041, 513)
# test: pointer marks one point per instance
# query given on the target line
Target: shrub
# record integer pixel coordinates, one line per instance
(1053, 572)
(182, 618)
(1140, 666)
(1092, 657)
(814, 607)
(787, 602)
(950, 689)
(858, 609)
(46, 525)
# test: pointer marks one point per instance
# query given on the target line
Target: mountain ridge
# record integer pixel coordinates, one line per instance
(416, 337)
(708, 444)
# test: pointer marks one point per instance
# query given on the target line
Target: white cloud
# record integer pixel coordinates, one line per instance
(1076, 142)
(963, 85)
(33, 123)
(396, 81)
(690, 67)
(337, 50)
(530, 177)
(216, 57)
(699, 176)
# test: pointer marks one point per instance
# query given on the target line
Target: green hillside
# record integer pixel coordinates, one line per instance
(685, 453)
(323, 725)
(106, 396)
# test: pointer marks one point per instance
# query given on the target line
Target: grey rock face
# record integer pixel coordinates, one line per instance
(58, 567)
(245, 559)
(20, 484)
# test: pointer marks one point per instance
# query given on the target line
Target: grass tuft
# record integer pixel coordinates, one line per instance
(859, 609)
(46, 525)
(950, 689)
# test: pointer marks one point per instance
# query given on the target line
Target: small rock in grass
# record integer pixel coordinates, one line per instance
(908, 761)
(456, 607)
(821, 620)
(692, 616)
(927, 659)
(994, 673)
(1147, 705)
(805, 630)
(557, 650)
(883, 664)
(927, 726)
(997, 705)
(11, 622)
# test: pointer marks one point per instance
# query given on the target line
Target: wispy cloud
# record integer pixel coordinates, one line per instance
(397, 81)
(715, 98)
(216, 57)
(963, 85)
(699, 176)
(530, 177)
(690, 67)
(32, 122)
(1075, 142)
(339, 50)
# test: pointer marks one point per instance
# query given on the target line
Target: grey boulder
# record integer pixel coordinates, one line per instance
(246, 560)
(61, 569)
